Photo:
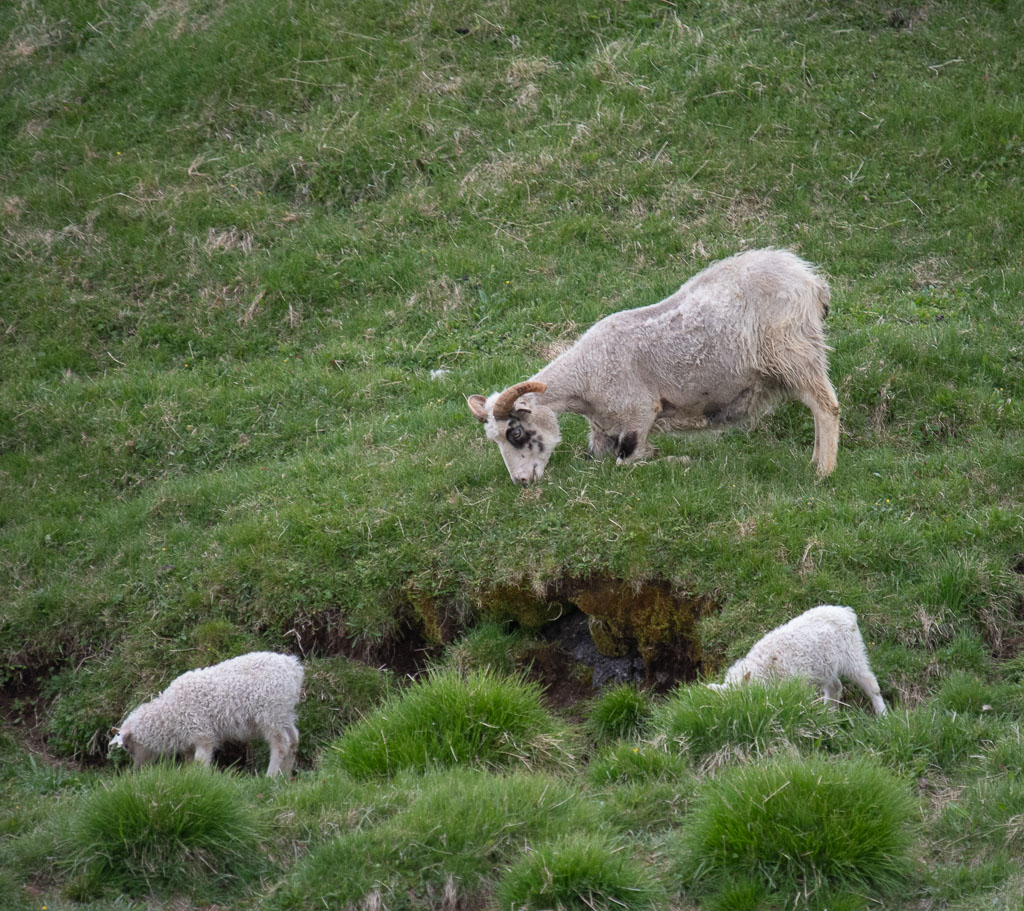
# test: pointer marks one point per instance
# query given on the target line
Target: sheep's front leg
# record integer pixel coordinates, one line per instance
(833, 690)
(283, 746)
(631, 446)
(204, 752)
(601, 444)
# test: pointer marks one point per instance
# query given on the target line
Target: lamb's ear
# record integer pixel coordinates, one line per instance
(746, 677)
(476, 405)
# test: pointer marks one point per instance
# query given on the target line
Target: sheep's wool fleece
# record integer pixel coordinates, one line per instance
(237, 699)
(819, 644)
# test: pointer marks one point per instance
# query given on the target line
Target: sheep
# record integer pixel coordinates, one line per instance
(734, 341)
(240, 699)
(822, 644)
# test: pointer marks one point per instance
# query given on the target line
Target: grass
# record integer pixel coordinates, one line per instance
(582, 872)
(797, 829)
(458, 829)
(451, 719)
(253, 257)
(165, 831)
(620, 711)
(712, 727)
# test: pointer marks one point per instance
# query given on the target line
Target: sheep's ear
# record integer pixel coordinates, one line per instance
(476, 405)
(746, 677)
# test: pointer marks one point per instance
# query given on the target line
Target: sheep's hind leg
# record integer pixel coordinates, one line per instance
(869, 684)
(821, 399)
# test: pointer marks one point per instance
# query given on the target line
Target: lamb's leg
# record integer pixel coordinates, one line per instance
(601, 444)
(820, 397)
(869, 684)
(204, 752)
(833, 689)
(283, 745)
(293, 748)
(631, 445)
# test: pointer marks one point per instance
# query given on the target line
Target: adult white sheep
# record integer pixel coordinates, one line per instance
(238, 700)
(822, 644)
(734, 341)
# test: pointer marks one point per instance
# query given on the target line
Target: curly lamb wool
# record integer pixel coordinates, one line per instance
(822, 645)
(238, 700)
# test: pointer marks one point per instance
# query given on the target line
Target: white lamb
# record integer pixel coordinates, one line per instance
(238, 700)
(822, 644)
(735, 340)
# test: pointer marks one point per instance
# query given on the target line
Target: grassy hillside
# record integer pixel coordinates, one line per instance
(256, 253)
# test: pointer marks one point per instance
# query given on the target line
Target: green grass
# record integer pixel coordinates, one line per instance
(166, 831)
(581, 872)
(458, 829)
(237, 238)
(620, 711)
(713, 727)
(800, 828)
(451, 719)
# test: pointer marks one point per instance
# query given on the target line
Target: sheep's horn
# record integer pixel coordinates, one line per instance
(503, 406)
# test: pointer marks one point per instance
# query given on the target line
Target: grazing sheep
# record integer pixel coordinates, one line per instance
(730, 344)
(822, 644)
(250, 696)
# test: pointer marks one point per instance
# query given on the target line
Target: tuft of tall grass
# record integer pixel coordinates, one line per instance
(965, 693)
(620, 711)
(337, 692)
(583, 872)
(715, 726)
(800, 827)
(452, 719)
(165, 830)
(486, 645)
(629, 761)
(459, 827)
(924, 739)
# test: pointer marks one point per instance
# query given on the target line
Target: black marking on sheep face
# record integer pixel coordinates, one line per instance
(626, 445)
(522, 438)
(526, 439)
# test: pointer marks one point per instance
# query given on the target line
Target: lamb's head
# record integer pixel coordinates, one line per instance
(525, 435)
(738, 674)
(125, 737)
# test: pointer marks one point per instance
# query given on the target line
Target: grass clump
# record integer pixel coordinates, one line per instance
(458, 828)
(453, 719)
(714, 726)
(585, 872)
(620, 711)
(800, 828)
(636, 762)
(922, 740)
(165, 830)
(964, 693)
(338, 692)
(487, 645)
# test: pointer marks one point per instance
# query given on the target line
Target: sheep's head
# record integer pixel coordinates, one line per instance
(124, 737)
(526, 436)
